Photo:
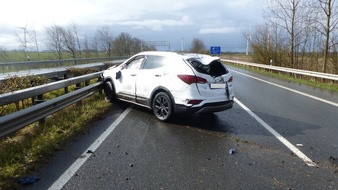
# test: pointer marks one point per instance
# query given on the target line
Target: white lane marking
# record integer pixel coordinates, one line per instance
(289, 89)
(295, 150)
(65, 177)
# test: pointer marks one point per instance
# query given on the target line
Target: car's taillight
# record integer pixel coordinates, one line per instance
(231, 79)
(194, 102)
(190, 79)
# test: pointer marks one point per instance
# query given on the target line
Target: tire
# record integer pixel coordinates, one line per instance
(162, 106)
(109, 91)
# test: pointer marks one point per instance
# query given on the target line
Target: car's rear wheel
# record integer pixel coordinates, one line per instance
(109, 91)
(162, 106)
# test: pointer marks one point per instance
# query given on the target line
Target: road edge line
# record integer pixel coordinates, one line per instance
(65, 177)
(294, 149)
(289, 89)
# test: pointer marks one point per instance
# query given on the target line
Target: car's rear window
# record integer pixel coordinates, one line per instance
(215, 68)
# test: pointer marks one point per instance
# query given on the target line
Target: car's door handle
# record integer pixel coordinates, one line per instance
(158, 75)
(133, 75)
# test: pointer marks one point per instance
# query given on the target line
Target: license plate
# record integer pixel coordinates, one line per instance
(217, 85)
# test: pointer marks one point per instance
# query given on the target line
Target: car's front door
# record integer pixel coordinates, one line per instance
(128, 78)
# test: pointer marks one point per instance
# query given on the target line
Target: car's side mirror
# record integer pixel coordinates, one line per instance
(118, 75)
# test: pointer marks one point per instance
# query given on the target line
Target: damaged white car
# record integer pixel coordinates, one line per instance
(169, 83)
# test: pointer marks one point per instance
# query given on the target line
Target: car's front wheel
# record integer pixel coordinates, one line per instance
(162, 106)
(109, 91)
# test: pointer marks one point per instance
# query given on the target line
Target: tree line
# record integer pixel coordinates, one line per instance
(66, 42)
(301, 34)
(66, 39)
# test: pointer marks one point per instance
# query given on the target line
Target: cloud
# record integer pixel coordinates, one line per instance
(223, 30)
(157, 24)
(147, 19)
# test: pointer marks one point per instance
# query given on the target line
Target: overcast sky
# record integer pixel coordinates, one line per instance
(215, 22)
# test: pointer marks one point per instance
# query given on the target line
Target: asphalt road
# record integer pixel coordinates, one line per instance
(284, 135)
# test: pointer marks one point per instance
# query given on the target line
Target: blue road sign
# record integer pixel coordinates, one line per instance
(215, 50)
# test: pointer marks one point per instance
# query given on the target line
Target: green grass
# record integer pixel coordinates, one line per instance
(316, 83)
(33, 146)
(19, 56)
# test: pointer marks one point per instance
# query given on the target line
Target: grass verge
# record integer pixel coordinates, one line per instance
(33, 146)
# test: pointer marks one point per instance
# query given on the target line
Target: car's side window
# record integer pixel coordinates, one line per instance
(154, 62)
(135, 63)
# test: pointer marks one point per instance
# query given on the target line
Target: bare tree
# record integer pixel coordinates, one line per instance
(123, 44)
(24, 41)
(137, 45)
(260, 44)
(94, 46)
(105, 39)
(328, 20)
(55, 41)
(334, 52)
(197, 46)
(86, 47)
(76, 35)
(289, 15)
(35, 39)
(69, 41)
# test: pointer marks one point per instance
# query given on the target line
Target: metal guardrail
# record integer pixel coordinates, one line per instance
(327, 76)
(16, 96)
(22, 118)
(17, 120)
(55, 72)
(19, 66)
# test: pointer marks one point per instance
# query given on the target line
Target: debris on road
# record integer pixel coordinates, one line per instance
(334, 160)
(90, 152)
(299, 145)
(232, 151)
(28, 180)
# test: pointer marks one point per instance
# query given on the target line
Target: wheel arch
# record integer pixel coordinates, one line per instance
(112, 95)
(161, 89)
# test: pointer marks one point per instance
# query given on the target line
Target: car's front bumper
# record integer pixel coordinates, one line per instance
(205, 108)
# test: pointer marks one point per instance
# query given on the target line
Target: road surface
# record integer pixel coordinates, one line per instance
(284, 136)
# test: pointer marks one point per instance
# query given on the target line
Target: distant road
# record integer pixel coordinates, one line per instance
(49, 71)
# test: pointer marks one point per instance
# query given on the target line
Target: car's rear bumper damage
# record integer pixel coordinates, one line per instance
(206, 108)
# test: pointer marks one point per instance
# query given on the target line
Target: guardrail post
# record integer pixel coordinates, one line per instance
(66, 88)
(77, 87)
(87, 83)
(98, 80)
(39, 99)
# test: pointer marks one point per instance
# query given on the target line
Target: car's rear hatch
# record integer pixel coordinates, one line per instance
(217, 81)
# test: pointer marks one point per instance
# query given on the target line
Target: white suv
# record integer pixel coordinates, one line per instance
(169, 83)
